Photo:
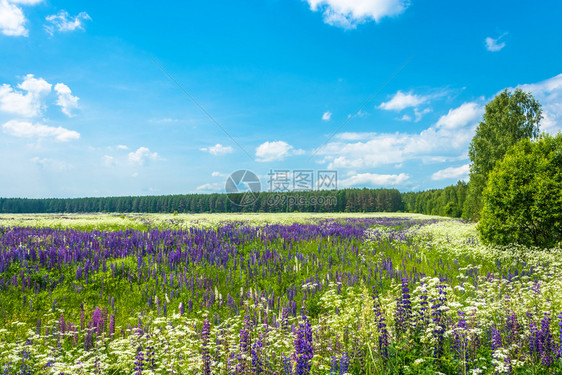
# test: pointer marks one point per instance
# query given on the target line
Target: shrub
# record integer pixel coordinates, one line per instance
(523, 196)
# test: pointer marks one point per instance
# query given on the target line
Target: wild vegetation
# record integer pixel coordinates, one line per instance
(327, 295)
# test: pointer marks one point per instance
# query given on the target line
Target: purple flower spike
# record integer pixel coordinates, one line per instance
(206, 366)
(560, 345)
(304, 351)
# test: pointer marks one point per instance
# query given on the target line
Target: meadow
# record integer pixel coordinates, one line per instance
(272, 294)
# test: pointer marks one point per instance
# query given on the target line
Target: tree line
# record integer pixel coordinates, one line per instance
(445, 202)
(345, 200)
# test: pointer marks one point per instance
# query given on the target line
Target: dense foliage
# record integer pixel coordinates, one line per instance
(445, 202)
(345, 200)
(523, 198)
(360, 296)
(509, 117)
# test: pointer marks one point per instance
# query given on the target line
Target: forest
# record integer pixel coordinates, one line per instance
(445, 202)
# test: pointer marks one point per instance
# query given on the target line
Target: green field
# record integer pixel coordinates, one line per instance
(272, 293)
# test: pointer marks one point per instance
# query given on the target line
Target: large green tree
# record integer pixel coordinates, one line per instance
(523, 197)
(509, 117)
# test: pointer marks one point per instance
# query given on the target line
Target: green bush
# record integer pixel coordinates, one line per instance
(523, 196)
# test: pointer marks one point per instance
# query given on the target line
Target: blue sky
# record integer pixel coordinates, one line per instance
(85, 110)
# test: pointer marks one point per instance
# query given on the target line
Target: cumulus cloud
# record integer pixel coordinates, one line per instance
(27, 129)
(66, 100)
(494, 45)
(12, 19)
(218, 149)
(63, 22)
(549, 94)
(374, 179)
(369, 150)
(327, 116)
(277, 150)
(28, 99)
(142, 156)
(452, 172)
(349, 13)
(122, 147)
(402, 101)
(461, 116)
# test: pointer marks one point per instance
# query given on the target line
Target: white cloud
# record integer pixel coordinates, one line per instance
(122, 147)
(142, 155)
(370, 150)
(25, 2)
(402, 101)
(66, 100)
(26, 129)
(218, 174)
(461, 116)
(12, 20)
(50, 163)
(327, 116)
(164, 120)
(109, 161)
(494, 45)
(374, 179)
(277, 150)
(209, 187)
(349, 13)
(452, 172)
(63, 22)
(549, 94)
(28, 101)
(419, 114)
(218, 149)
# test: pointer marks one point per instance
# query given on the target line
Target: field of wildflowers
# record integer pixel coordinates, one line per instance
(273, 294)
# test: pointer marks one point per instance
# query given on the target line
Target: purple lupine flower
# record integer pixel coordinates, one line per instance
(245, 340)
(496, 338)
(62, 324)
(285, 318)
(206, 366)
(545, 338)
(404, 309)
(287, 366)
(381, 325)
(344, 364)
(112, 324)
(256, 357)
(560, 345)
(245, 345)
(334, 365)
(139, 361)
(304, 351)
(89, 339)
(460, 343)
(533, 337)
(423, 318)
